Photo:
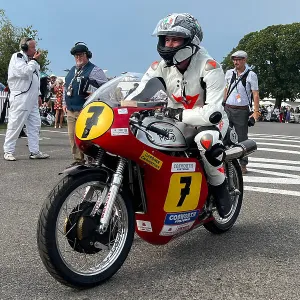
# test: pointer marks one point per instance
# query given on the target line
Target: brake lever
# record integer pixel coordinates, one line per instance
(139, 126)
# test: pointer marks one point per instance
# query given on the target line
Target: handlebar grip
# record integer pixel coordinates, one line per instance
(158, 130)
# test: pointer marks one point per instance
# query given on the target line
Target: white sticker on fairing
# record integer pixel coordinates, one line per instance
(144, 225)
(122, 111)
(169, 230)
(183, 167)
(119, 131)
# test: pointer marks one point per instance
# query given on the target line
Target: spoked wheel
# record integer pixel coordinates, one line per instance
(220, 225)
(70, 244)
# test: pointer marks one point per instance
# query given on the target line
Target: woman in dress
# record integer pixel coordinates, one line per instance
(59, 113)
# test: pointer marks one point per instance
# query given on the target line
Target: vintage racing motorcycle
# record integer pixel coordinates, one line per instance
(146, 176)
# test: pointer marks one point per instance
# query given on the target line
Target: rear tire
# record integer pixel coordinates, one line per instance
(219, 225)
(50, 235)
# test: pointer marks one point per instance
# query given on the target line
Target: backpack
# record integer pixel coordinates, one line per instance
(244, 81)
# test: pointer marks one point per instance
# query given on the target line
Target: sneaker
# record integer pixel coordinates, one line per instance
(244, 169)
(9, 157)
(39, 155)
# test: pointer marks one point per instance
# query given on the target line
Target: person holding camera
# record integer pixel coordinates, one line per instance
(241, 89)
(80, 80)
(24, 84)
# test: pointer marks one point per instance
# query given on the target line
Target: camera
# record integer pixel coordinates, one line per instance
(251, 122)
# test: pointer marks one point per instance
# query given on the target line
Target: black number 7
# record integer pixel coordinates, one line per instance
(93, 120)
(186, 190)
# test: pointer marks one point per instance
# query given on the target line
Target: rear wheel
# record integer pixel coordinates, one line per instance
(70, 245)
(220, 225)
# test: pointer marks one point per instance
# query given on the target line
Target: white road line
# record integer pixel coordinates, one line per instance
(272, 160)
(280, 145)
(278, 150)
(279, 140)
(272, 180)
(271, 191)
(274, 166)
(273, 173)
(54, 131)
(273, 135)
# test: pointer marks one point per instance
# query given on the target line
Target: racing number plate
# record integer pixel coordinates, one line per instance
(94, 120)
(184, 192)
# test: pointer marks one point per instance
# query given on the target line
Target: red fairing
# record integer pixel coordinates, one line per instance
(165, 186)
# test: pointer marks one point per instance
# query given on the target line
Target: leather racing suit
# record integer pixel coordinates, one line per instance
(186, 91)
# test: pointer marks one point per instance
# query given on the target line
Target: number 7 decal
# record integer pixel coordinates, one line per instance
(93, 120)
(184, 192)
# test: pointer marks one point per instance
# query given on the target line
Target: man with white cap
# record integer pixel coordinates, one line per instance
(241, 85)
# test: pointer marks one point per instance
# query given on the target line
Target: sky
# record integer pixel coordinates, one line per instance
(118, 33)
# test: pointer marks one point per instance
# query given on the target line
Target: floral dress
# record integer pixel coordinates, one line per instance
(59, 90)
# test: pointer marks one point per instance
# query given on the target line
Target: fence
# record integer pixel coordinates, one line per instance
(2, 100)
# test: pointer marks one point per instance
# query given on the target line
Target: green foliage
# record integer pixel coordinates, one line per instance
(274, 52)
(10, 37)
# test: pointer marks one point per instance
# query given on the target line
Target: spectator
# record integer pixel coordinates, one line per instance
(2, 87)
(288, 115)
(241, 82)
(78, 81)
(132, 89)
(58, 106)
(23, 81)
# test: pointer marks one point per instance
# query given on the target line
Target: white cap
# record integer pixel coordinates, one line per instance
(239, 53)
(52, 75)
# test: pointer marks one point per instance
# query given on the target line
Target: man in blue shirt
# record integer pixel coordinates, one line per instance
(78, 82)
(240, 83)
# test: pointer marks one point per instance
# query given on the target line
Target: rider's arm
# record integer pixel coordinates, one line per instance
(153, 71)
(213, 76)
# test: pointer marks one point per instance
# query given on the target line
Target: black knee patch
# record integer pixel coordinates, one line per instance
(216, 155)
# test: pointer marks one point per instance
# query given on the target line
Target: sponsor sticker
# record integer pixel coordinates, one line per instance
(169, 230)
(183, 167)
(122, 111)
(119, 131)
(144, 225)
(151, 160)
(181, 218)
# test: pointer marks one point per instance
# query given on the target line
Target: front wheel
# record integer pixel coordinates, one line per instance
(70, 245)
(220, 225)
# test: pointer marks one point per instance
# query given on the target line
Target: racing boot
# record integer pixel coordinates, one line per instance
(222, 199)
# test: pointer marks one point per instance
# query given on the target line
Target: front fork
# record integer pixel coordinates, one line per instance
(110, 194)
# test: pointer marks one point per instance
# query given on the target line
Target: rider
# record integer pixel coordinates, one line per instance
(195, 85)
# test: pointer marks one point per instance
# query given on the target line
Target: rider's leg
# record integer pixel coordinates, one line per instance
(211, 149)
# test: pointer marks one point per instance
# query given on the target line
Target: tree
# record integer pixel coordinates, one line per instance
(274, 52)
(10, 37)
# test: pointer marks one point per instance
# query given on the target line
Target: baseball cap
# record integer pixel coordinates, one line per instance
(239, 53)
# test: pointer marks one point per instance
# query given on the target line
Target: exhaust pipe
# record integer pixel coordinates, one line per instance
(240, 150)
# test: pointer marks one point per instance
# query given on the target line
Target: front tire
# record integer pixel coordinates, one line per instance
(71, 259)
(220, 225)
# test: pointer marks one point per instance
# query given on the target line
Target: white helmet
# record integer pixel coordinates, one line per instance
(181, 25)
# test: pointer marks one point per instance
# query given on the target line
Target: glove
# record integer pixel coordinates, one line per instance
(174, 113)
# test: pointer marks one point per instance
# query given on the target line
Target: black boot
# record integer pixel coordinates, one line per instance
(222, 199)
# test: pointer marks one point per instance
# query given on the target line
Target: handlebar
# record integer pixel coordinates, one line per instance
(150, 127)
(157, 130)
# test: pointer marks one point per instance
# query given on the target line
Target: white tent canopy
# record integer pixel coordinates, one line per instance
(285, 104)
(266, 102)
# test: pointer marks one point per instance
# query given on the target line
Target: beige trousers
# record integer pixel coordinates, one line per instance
(71, 120)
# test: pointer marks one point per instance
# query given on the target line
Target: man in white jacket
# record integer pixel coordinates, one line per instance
(24, 82)
(194, 83)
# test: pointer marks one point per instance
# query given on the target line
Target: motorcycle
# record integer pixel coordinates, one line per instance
(146, 177)
(47, 118)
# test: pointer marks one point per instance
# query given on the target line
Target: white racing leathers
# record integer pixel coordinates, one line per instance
(24, 83)
(200, 91)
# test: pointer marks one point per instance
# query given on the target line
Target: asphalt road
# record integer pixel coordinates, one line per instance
(258, 259)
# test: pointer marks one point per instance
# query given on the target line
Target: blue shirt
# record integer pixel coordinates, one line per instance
(239, 96)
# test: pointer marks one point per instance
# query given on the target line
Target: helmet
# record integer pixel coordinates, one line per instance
(181, 25)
